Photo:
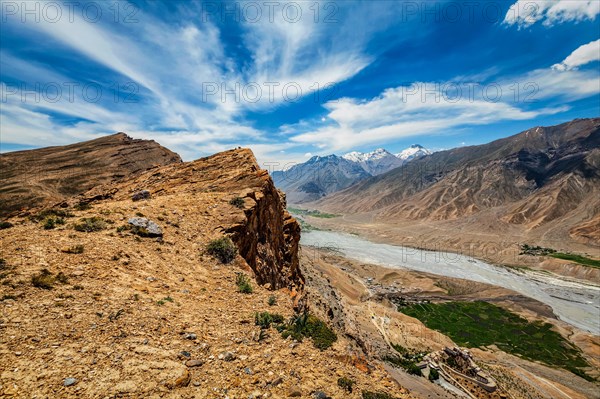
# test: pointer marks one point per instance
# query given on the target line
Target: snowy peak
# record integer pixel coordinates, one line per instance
(356, 156)
(413, 152)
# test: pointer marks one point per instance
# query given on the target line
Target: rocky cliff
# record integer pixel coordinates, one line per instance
(92, 307)
(266, 235)
(37, 177)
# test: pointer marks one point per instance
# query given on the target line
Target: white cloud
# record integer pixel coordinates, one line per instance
(525, 13)
(583, 55)
(435, 108)
(172, 63)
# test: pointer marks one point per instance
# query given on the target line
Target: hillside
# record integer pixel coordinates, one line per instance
(37, 177)
(543, 176)
(93, 306)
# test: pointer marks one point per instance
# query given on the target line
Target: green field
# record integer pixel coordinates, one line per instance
(577, 258)
(479, 324)
(313, 213)
(542, 251)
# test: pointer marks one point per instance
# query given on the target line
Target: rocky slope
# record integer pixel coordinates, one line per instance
(544, 177)
(93, 308)
(36, 177)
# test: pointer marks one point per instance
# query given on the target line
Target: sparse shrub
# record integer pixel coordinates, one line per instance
(308, 325)
(262, 335)
(223, 249)
(43, 279)
(140, 214)
(78, 287)
(264, 319)
(89, 225)
(50, 223)
(54, 213)
(76, 249)
(5, 225)
(164, 300)
(272, 300)
(83, 206)
(433, 374)
(238, 202)
(345, 383)
(243, 284)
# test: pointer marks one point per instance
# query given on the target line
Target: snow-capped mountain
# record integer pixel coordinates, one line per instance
(356, 156)
(323, 175)
(374, 162)
(412, 152)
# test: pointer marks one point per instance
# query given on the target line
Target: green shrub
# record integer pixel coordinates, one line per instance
(223, 249)
(433, 374)
(54, 213)
(238, 202)
(89, 225)
(272, 300)
(345, 383)
(243, 284)
(264, 319)
(43, 279)
(5, 225)
(308, 325)
(50, 222)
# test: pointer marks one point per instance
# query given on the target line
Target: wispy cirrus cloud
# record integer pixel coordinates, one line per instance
(434, 108)
(525, 13)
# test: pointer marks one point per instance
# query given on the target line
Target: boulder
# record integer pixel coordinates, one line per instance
(145, 227)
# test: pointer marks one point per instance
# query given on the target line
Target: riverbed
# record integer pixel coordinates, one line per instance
(575, 303)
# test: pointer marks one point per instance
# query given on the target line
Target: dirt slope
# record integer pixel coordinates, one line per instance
(36, 177)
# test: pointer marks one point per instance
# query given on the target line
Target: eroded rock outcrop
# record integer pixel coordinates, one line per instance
(266, 234)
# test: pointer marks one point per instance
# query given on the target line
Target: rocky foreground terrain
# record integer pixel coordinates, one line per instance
(118, 292)
(104, 296)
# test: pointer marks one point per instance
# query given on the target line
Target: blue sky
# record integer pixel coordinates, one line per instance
(294, 79)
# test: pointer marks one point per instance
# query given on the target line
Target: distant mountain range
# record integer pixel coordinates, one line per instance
(542, 176)
(322, 175)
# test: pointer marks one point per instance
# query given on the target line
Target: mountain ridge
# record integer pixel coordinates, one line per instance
(532, 178)
(36, 177)
(323, 175)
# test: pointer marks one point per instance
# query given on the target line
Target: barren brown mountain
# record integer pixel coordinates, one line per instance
(35, 177)
(543, 183)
